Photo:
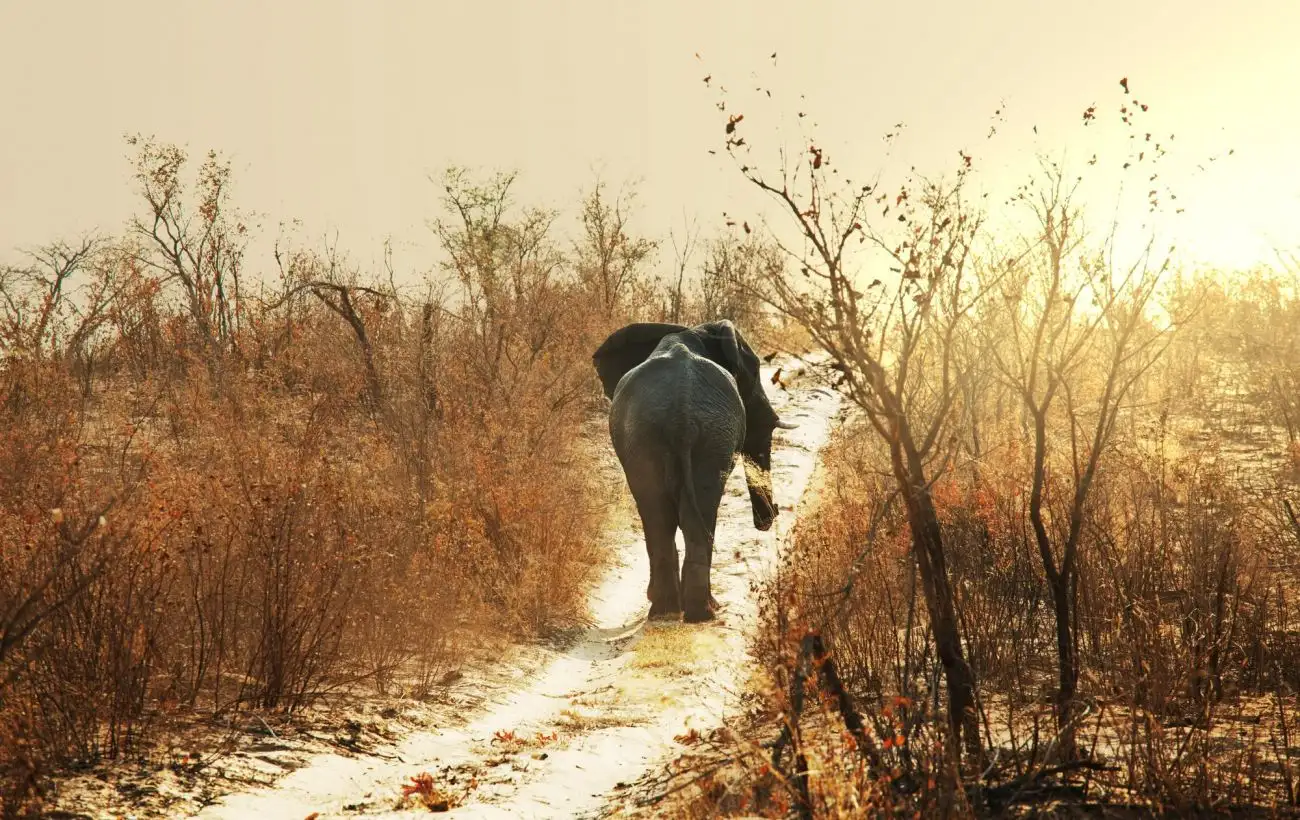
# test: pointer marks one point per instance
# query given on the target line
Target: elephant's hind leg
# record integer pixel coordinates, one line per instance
(659, 520)
(698, 528)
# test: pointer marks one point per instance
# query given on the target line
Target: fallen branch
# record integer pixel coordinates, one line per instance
(1017, 789)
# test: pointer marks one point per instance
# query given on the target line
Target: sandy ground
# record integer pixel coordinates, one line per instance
(574, 727)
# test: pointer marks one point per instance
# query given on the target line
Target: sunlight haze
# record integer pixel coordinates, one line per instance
(336, 113)
(366, 451)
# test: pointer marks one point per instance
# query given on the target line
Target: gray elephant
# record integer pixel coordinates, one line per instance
(685, 402)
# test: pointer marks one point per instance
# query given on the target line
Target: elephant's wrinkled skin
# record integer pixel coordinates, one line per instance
(685, 401)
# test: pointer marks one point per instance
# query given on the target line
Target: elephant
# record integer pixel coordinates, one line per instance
(684, 403)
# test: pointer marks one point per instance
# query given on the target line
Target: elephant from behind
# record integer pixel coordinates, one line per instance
(685, 403)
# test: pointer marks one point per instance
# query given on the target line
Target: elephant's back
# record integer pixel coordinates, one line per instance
(676, 394)
(676, 374)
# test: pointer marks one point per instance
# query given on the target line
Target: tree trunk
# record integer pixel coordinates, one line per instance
(927, 546)
(1059, 581)
(1067, 664)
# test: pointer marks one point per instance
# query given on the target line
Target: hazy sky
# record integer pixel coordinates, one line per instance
(335, 112)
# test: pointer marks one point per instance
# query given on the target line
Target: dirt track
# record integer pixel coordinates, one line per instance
(598, 714)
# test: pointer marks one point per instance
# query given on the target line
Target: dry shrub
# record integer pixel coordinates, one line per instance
(337, 485)
(1186, 645)
(58, 556)
(1099, 609)
(24, 767)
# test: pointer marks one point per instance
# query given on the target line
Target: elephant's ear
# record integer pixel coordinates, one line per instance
(626, 348)
(728, 348)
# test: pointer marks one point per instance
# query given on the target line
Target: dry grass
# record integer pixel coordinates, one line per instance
(670, 644)
(578, 722)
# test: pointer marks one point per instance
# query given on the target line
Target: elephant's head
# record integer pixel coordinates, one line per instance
(722, 343)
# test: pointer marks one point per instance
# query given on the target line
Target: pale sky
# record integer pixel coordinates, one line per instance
(336, 112)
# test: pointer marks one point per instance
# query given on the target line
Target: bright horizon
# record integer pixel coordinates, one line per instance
(336, 113)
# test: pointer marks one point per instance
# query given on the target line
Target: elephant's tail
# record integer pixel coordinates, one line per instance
(689, 517)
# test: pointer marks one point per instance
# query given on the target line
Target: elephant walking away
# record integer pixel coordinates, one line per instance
(684, 403)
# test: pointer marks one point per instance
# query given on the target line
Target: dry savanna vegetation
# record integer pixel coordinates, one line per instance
(1050, 568)
(1052, 565)
(232, 487)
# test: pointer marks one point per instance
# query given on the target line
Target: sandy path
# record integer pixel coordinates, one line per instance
(609, 706)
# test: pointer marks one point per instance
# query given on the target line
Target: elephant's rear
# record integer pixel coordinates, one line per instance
(677, 422)
(674, 408)
(675, 403)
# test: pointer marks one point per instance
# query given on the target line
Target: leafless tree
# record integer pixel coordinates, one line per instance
(1076, 342)
(683, 252)
(732, 277)
(197, 245)
(892, 343)
(53, 305)
(36, 298)
(609, 259)
(336, 287)
(499, 260)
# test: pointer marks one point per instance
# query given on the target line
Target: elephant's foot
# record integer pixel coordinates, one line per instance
(698, 604)
(664, 612)
(664, 603)
(698, 615)
(664, 589)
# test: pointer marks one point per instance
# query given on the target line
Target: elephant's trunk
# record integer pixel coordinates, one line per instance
(758, 475)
